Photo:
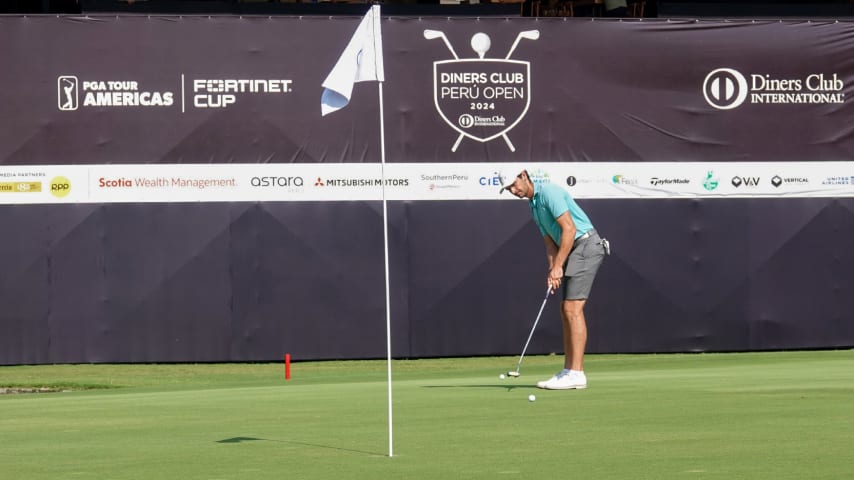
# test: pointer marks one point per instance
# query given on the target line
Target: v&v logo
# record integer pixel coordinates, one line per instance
(725, 88)
(67, 92)
(745, 181)
(482, 98)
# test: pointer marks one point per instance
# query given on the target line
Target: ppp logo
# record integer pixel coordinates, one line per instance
(725, 88)
(60, 187)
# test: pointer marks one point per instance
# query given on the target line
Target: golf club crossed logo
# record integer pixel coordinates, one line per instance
(482, 98)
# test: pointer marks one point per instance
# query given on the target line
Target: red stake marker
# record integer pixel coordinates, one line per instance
(287, 366)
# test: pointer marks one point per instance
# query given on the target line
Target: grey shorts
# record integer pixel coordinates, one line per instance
(581, 267)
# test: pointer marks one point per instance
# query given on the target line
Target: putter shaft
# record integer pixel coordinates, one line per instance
(525, 348)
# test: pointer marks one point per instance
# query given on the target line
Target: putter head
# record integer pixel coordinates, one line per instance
(513, 374)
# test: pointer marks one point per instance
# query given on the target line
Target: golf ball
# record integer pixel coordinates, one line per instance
(501, 376)
(531, 398)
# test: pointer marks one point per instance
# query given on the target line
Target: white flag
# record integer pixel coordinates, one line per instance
(362, 61)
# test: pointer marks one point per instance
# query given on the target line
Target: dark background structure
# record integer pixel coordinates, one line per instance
(232, 281)
(652, 8)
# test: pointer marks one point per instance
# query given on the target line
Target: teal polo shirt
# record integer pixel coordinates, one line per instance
(551, 201)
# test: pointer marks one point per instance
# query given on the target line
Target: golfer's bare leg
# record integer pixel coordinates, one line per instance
(574, 333)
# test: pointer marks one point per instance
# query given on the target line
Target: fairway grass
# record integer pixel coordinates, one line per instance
(778, 415)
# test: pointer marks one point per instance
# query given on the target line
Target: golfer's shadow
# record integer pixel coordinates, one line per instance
(292, 442)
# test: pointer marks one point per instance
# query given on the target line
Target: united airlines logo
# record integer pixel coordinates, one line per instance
(482, 98)
(725, 88)
(67, 92)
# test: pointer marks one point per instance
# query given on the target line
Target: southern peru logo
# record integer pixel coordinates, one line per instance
(482, 98)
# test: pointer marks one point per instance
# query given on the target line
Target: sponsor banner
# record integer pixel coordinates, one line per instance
(242, 183)
(43, 184)
(222, 90)
(416, 181)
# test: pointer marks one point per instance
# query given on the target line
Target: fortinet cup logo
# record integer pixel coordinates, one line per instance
(67, 92)
(726, 89)
(482, 98)
(222, 92)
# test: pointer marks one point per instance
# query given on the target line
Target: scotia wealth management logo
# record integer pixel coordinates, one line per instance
(482, 98)
(728, 88)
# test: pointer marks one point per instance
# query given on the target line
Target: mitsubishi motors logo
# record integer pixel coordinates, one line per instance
(725, 88)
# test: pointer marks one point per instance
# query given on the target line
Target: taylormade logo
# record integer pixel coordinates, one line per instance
(726, 89)
(657, 182)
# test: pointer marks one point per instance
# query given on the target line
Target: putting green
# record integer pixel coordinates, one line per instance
(786, 415)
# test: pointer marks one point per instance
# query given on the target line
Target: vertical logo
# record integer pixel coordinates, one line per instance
(725, 88)
(482, 98)
(67, 92)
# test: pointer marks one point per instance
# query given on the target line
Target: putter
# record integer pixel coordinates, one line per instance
(515, 373)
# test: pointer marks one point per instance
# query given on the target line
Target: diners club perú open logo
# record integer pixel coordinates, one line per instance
(482, 98)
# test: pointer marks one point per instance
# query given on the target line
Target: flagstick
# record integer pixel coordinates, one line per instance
(336, 94)
(387, 290)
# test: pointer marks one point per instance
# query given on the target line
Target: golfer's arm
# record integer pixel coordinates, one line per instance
(567, 238)
(551, 250)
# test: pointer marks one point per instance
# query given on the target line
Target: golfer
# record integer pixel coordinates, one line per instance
(574, 252)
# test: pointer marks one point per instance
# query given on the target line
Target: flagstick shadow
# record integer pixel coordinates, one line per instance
(302, 444)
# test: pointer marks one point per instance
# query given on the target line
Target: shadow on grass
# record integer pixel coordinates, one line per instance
(509, 388)
(302, 444)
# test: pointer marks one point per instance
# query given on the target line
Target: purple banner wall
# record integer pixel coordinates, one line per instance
(232, 281)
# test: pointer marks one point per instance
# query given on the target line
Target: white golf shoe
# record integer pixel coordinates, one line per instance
(571, 380)
(543, 383)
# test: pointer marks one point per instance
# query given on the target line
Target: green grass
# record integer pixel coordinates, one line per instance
(711, 416)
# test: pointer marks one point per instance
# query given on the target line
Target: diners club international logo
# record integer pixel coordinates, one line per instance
(482, 98)
(727, 88)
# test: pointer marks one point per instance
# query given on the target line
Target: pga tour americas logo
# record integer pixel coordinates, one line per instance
(727, 88)
(71, 91)
(67, 92)
(482, 98)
